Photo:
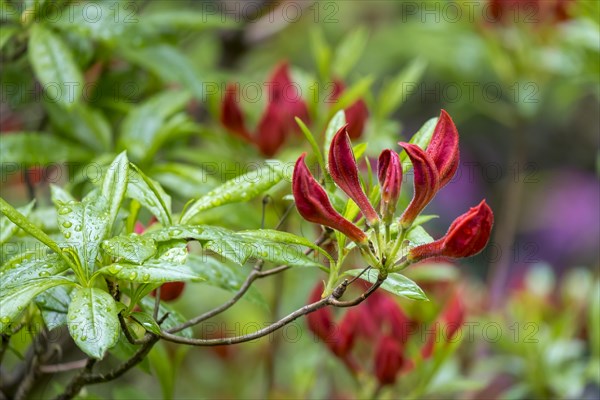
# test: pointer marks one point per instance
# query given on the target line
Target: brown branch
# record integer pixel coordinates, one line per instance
(63, 367)
(85, 377)
(255, 274)
(332, 299)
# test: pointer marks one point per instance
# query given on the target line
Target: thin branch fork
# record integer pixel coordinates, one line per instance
(331, 300)
(255, 274)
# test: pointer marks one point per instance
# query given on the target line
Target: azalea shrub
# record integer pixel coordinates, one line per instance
(192, 208)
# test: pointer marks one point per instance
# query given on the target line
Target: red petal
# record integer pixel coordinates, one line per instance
(443, 148)
(426, 180)
(313, 204)
(344, 171)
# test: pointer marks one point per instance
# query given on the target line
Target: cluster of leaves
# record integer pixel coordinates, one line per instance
(98, 243)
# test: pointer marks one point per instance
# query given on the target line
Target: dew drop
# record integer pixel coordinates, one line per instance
(64, 210)
(133, 275)
(5, 320)
(146, 277)
(44, 274)
(67, 235)
(67, 224)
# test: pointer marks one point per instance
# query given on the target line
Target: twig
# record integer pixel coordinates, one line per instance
(64, 367)
(85, 377)
(255, 274)
(332, 299)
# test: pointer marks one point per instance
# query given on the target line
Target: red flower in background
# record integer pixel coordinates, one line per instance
(379, 322)
(528, 11)
(356, 114)
(277, 121)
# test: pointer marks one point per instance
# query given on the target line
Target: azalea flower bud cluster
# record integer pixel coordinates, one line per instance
(433, 169)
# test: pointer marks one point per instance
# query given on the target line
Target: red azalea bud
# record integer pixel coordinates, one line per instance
(356, 114)
(231, 114)
(390, 179)
(388, 360)
(320, 322)
(467, 236)
(346, 333)
(286, 94)
(426, 180)
(170, 291)
(271, 130)
(443, 148)
(344, 171)
(314, 206)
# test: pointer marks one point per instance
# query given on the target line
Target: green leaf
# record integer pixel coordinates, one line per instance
(395, 283)
(15, 299)
(240, 250)
(92, 321)
(174, 66)
(133, 248)
(222, 275)
(24, 148)
(186, 19)
(185, 180)
(421, 139)
(313, 143)
(149, 194)
(19, 219)
(394, 93)
(152, 271)
(239, 189)
(54, 305)
(32, 269)
(114, 186)
(321, 53)
(351, 95)
(237, 247)
(82, 123)
(173, 319)
(6, 33)
(283, 238)
(59, 195)
(83, 224)
(105, 21)
(146, 321)
(349, 52)
(142, 125)
(7, 228)
(338, 120)
(54, 65)
(418, 236)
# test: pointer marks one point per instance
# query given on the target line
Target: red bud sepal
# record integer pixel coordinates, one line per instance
(314, 206)
(426, 183)
(344, 171)
(443, 148)
(390, 179)
(467, 236)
